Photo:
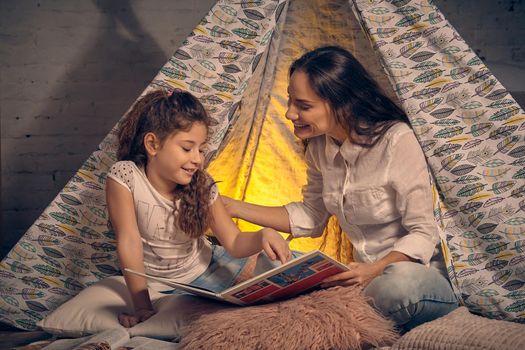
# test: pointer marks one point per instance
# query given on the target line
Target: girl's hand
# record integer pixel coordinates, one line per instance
(275, 246)
(359, 274)
(230, 205)
(140, 315)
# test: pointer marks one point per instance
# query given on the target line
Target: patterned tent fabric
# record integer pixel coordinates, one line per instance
(71, 246)
(471, 131)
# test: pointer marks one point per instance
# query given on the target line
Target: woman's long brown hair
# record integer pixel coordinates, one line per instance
(163, 114)
(359, 105)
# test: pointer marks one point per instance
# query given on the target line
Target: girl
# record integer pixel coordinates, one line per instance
(161, 202)
(366, 167)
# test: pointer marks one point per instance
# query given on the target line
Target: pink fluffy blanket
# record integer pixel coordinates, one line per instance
(335, 318)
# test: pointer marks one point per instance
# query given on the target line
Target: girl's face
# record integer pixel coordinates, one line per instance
(310, 114)
(175, 161)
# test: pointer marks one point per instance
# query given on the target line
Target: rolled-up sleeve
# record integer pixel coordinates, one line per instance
(409, 175)
(309, 217)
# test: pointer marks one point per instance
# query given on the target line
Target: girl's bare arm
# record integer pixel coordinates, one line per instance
(241, 244)
(129, 243)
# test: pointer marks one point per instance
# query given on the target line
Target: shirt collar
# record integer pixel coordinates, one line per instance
(349, 151)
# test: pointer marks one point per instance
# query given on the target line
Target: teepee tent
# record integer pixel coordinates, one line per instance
(235, 61)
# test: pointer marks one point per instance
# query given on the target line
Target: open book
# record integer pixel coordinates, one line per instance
(114, 339)
(296, 276)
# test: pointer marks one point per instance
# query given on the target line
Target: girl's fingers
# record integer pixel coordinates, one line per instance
(126, 320)
(129, 321)
(284, 255)
(122, 321)
(288, 254)
(283, 252)
(269, 251)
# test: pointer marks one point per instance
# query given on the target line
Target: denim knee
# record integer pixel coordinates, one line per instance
(410, 293)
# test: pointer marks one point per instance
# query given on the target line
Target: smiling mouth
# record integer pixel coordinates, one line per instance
(189, 172)
(301, 126)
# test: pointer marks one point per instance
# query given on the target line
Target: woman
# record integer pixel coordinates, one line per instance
(366, 167)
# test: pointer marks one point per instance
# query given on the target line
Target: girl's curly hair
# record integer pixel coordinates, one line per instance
(163, 114)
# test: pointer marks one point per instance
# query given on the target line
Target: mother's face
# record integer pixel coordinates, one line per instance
(310, 114)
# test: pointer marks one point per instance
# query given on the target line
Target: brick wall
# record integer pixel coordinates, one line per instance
(70, 69)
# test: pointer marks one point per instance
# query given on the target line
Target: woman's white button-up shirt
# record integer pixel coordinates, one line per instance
(380, 195)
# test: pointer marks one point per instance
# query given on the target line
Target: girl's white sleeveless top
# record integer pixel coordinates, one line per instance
(168, 252)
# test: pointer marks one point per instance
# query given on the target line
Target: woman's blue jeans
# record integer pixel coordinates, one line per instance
(410, 294)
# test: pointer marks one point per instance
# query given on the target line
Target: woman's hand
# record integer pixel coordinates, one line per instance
(362, 273)
(140, 315)
(275, 246)
(359, 274)
(230, 205)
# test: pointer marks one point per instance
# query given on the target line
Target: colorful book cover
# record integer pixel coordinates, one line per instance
(292, 278)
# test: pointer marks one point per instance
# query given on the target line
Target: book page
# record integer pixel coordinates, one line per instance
(182, 286)
(143, 343)
(296, 276)
(113, 338)
(66, 344)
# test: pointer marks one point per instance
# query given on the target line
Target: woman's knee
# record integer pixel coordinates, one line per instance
(397, 284)
(405, 283)
(411, 292)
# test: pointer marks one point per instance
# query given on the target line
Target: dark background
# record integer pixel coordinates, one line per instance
(70, 69)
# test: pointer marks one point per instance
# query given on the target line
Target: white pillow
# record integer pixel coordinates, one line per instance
(97, 307)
